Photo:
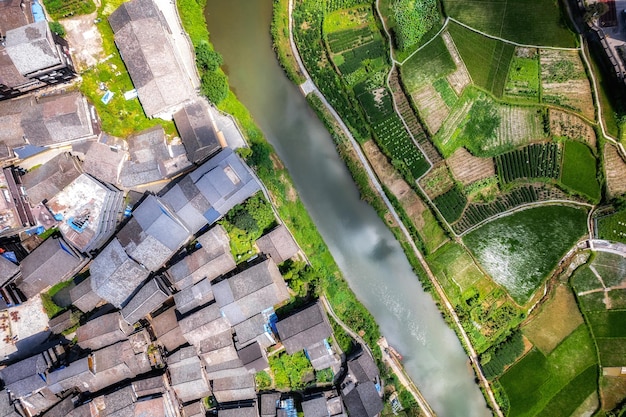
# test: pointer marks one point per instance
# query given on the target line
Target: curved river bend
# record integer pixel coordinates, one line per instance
(365, 250)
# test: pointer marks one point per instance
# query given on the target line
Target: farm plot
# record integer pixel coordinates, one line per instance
(539, 160)
(564, 82)
(523, 77)
(468, 168)
(460, 78)
(607, 324)
(579, 170)
(437, 181)
(547, 328)
(344, 18)
(486, 59)
(431, 107)
(613, 227)
(567, 125)
(541, 24)
(556, 384)
(520, 250)
(428, 64)
(518, 126)
(451, 204)
(614, 170)
(612, 268)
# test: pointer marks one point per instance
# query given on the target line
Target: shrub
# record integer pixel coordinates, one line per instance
(207, 59)
(263, 380)
(413, 19)
(214, 86)
(57, 28)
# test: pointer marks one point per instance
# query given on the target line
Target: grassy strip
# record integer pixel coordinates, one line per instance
(51, 308)
(191, 14)
(280, 40)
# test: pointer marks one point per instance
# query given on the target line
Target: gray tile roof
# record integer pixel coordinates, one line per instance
(193, 297)
(8, 270)
(104, 162)
(12, 15)
(61, 409)
(24, 377)
(190, 205)
(83, 297)
(278, 244)
(249, 329)
(114, 276)
(194, 410)
(187, 375)
(236, 388)
(149, 386)
(197, 131)
(149, 298)
(153, 234)
(141, 35)
(269, 404)
(315, 407)
(11, 113)
(6, 408)
(167, 330)
(77, 374)
(239, 411)
(31, 47)
(102, 331)
(117, 363)
(9, 75)
(199, 325)
(61, 322)
(363, 368)
(51, 262)
(253, 357)
(210, 261)
(49, 179)
(304, 328)
(250, 292)
(363, 400)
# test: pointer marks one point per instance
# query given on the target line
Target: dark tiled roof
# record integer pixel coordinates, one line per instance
(9, 75)
(303, 328)
(187, 375)
(250, 292)
(49, 179)
(253, 357)
(64, 118)
(61, 409)
(51, 262)
(8, 270)
(102, 331)
(269, 403)
(236, 388)
(12, 15)
(278, 244)
(363, 400)
(117, 363)
(194, 296)
(31, 47)
(250, 329)
(61, 322)
(154, 407)
(83, 297)
(104, 162)
(149, 386)
(196, 130)
(114, 276)
(149, 298)
(11, 113)
(194, 410)
(363, 368)
(24, 377)
(167, 330)
(77, 374)
(315, 407)
(6, 409)
(141, 36)
(239, 411)
(199, 325)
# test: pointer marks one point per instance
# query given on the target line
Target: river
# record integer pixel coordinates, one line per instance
(368, 255)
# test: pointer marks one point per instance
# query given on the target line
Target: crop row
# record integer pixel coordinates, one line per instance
(540, 160)
(332, 5)
(451, 204)
(377, 107)
(348, 39)
(355, 57)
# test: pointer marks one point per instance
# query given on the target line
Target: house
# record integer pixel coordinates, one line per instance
(8, 271)
(62, 322)
(210, 261)
(104, 161)
(197, 131)
(83, 297)
(308, 329)
(193, 297)
(149, 298)
(40, 57)
(15, 213)
(195, 409)
(323, 405)
(363, 369)
(142, 37)
(253, 357)
(103, 331)
(362, 399)
(153, 234)
(278, 244)
(204, 323)
(269, 404)
(239, 410)
(48, 180)
(206, 194)
(256, 328)
(116, 363)
(220, 357)
(167, 331)
(250, 292)
(235, 388)
(52, 262)
(149, 159)
(87, 211)
(78, 374)
(118, 403)
(114, 275)
(7, 409)
(26, 377)
(187, 376)
(149, 386)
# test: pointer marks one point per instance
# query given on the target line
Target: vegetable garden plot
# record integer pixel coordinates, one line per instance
(570, 126)
(460, 78)
(431, 107)
(579, 170)
(428, 64)
(332, 5)
(518, 126)
(614, 171)
(437, 181)
(539, 160)
(523, 77)
(468, 168)
(348, 39)
(451, 204)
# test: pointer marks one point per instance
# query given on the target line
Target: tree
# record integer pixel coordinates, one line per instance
(214, 86)
(208, 59)
(57, 28)
(595, 10)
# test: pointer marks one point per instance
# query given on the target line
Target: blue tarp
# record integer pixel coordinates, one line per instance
(10, 256)
(38, 13)
(26, 151)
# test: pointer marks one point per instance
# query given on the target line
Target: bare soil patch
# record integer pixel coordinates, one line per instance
(612, 391)
(571, 126)
(468, 168)
(83, 34)
(437, 181)
(460, 78)
(615, 170)
(548, 327)
(431, 107)
(564, 81)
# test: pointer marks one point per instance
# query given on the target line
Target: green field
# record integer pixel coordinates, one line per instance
(442, 86)
(611, 267)
(520, 250)
(430, 63)
(608, 323)
(579, 170)
(612, 351)
(523, 78)
(556, 384)
(613, 227)
(487, 60)
(536, 23)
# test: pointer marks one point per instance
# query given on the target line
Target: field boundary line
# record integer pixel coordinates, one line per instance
(443, 27)
(558, 48)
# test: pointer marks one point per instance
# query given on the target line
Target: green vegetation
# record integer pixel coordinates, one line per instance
(57, 28)
(486, 59)
(263, 380)
(613, 226)
(496, 358)
(58, 9)
(523, 78)
(530, 243)
(291, 371)
(324, 376)
(541, 24)
(332, 5)
(247, 222)
(537, 384)
(51, 308)
(579, 170)
(413, 19)
(451, 204)
(539, 160)
(431, 62)
(191, 14)
(607, 324)
(280, 39)
(442, 86)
